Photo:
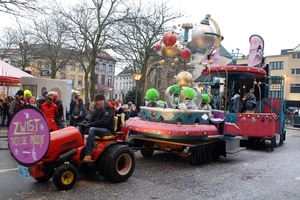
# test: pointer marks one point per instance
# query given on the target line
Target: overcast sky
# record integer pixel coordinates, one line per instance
(277, 22)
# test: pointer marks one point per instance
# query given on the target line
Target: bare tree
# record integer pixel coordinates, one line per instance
(142, 29)
(21, 7)
(91, 24)
(17, 45)
(7, 39)
(53, 36)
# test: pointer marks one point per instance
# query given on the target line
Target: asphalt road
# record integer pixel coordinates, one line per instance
(254, 173)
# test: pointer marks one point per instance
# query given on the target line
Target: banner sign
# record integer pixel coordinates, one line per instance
(28, 135)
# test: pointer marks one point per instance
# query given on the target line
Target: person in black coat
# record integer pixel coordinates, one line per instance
(72, 106)
(101, 124)
(79, 112)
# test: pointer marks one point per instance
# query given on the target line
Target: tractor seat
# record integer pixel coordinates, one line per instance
(112, 136)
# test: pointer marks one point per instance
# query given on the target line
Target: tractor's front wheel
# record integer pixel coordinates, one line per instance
(65, 176)
(47, 175)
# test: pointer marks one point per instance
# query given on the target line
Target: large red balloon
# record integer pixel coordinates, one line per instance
(169, 39)
(186, 53)
(158, 46)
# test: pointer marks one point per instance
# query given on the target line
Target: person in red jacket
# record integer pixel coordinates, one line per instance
(50, 110)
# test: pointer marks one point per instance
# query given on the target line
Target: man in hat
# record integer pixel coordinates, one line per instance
(42, 98)
(16, 103)
(101, 124)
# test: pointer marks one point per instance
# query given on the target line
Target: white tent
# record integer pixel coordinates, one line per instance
(10, 78)
(11, 71)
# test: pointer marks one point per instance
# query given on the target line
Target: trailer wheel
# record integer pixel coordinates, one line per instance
(120, 164)
(147, 153)
(47, 175)
(65, 176)
(192, 160)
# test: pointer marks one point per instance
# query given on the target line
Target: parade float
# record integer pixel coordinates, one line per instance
(201, 134)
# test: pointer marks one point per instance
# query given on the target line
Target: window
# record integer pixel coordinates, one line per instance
(295, 88)
(295, 71)
(72, 67)
(80, 78)
(62, 66)
(81, 68)
(103, 67)
(72, 77)
(14, 63)
(110, 68)
(96, 79)
(39, 65)
(296, 56)
(109, 81)
(102, 79)
(276, 94)
(47, 66)
(276, 65)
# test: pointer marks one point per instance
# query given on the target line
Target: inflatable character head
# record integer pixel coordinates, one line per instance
(205, 98)
(152, 94)
(175, 89)
(161, 103)
(190, 93)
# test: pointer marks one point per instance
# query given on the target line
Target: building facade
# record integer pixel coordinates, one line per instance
(72, 70)
(124, 82)
(284, 72)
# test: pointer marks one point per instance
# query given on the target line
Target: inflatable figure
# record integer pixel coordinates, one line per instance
(151, 98)
(175, 90)
(212, 55)
(256, 54)
(205, 104)
(188, 103)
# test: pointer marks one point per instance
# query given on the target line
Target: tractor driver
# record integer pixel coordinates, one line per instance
(101, 124)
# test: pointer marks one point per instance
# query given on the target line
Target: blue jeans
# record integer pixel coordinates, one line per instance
(94, 131)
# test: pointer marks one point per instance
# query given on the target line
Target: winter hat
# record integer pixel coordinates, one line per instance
(20, 92)
(27, 92)
(99, 97)
(45, 92)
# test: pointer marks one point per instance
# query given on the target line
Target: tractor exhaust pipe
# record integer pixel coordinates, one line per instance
(67, 155)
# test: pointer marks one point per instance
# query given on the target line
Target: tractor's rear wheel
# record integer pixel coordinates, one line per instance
(65, 176)
(120, 163)
(103, 160)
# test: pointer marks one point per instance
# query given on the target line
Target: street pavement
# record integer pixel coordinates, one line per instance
(3, 138)
(252, 174)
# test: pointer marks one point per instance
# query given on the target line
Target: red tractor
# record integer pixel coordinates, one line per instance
(112, 158)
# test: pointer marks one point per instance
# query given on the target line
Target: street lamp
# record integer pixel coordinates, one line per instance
(136, 77)
(110, 90)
